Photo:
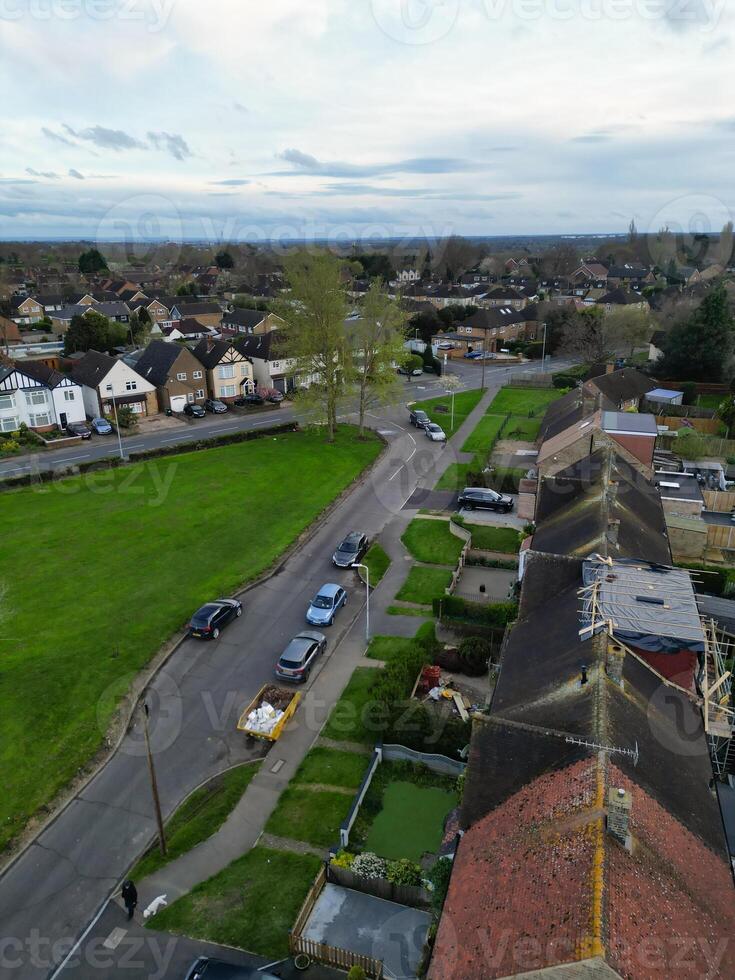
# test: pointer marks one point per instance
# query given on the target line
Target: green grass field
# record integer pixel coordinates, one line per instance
(485, 434)
(252, 904)
(410, 821)
(107, 566)
(198, 818)
(377, 561)
(464, 402)
(489, 538)
(523, 401)
(349, 719)
(331, 767)
(523, 429)
(309, 815)
(424, 584)
(454, 477)
(432, 542)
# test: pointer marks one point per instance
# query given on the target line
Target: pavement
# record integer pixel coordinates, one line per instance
(723, 519)
(58, 889)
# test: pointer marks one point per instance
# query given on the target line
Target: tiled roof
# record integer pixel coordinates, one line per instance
(621, 386)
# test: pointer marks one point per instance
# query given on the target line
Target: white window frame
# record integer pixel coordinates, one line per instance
(37, 420)
(131, 385)
(11, 423)
(200, 392)
(190, 396)
(228, 391)
(69, 395)
(181, 376)
(197, 375)
(11, 401)
(37, 398)
(226, 371)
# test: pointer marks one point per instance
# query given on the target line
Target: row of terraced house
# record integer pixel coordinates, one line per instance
(593, 841)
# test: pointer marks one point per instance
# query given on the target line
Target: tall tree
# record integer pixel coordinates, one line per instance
(315, 336)
(630, 327)
(377, 346)
(587, 335)
(699, 347)
(89, 332)
(92, 261)
(223, 260)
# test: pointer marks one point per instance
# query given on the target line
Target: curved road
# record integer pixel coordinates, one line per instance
(58, 884)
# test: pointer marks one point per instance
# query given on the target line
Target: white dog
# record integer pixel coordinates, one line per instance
(155, 906)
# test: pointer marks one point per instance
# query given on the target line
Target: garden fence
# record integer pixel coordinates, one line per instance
(346, 825)
(412, 895)
(340, 959)
(535, 381)
(437, 763)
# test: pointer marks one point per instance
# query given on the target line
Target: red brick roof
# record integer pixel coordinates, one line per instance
(539, 882)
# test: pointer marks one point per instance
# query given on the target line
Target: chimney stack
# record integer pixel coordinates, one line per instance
(619, 803)
(613, 530)
(614, 660)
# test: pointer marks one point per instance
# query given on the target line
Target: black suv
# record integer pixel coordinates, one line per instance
(477, 497)
(194, 410)
(79, 429)
(418, 418)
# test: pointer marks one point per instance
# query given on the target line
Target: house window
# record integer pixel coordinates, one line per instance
(276, 365)
(181, 376)
(190, 396)
(36, 398)
(131, 386)
(244, 368)
(6, 401)
(9, 424)
(227, 391)
(36, 420)
(68, 395)
(200, 392)
(197, 375)
(226, 371)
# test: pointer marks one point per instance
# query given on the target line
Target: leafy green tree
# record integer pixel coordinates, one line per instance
(92, 331)
(726, 413)
(315, 336)
(92, 261)
(223, 260)
(376, 345)
(376, 265)
(187, 289)
(698, 347)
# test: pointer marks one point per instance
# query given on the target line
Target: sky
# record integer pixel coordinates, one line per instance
(353, 119)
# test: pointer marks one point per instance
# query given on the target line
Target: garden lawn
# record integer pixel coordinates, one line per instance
(377, 561)
(523, 401)
(464, 402)
(349, 719)
(454, 477)
(331, 767)
(198, 817)
(423, 585)
(710, 401)
(107, 566)
(485, 537)
(410, 822)
(309, 815)
(485, 434)
(432, 541)
(523, 429)
(252, 904)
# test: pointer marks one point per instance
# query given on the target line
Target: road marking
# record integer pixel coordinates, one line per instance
(69, 459)
(115, 938)
(278, 766)
(386, 432)
(134, 447)
(81, 939)
(267, 422)
(395, 474)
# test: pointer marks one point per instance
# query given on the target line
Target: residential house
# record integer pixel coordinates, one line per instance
(27, 310)
(593, 843)
(9, 332)
(624, 389)
(229, 372)
(38, 396)
(249, 322)
(406, 276)
(271, 367)
(616, 298)
(109, 383)
(505, 296)
(177, 374)
(61, 320)
(188, 330)
(490, 329)
(630, 276)
(157, 311)
(589, 271)
(210, 314)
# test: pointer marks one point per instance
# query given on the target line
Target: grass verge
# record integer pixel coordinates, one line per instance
(252, 904)
(454, 477)
(439, 409)
(182, 529)
(485, 434)
(423, 585)
(530, 402)
(308, 815)
(331, 767)
(347, 719)
(377, 561)
(423, 612)
(198, 818)
(432, 542)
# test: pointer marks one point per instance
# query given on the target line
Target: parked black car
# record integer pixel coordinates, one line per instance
(478, 498)
(351, 549)
(206, 968)
(253, 398)
(215, 405)
(418, 418)
(207, 622)
(79, 429)
(196, 411)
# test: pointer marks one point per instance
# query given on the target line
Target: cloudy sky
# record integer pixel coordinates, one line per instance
(344, 119)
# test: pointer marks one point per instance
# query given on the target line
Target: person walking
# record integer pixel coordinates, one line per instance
(129, 897)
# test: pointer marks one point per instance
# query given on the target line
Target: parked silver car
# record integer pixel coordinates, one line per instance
(298, 658)
(325, 604)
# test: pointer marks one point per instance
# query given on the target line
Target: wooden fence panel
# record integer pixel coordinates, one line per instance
(414, 896)
(722, 500)
(721, 537)
(310, 901)
(340, 959)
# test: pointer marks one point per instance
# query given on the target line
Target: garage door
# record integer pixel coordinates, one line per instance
(177, 403)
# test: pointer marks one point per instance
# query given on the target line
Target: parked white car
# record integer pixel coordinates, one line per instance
(435, 432)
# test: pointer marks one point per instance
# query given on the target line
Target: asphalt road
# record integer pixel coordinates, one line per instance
(63, 880)
(723, 518)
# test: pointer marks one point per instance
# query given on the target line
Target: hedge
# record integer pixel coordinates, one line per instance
(495, 614)
(717, 581)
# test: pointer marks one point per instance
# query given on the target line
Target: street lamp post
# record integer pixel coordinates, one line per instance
(117, 424)
(357, 564)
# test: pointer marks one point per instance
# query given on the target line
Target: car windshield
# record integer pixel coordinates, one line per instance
(203, 615)
(348, 546)
(434, 427)
(323, 602)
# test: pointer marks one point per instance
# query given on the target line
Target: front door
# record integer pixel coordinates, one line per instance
(62, 420)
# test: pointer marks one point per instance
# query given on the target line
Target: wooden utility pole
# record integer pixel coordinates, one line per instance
(154, 784)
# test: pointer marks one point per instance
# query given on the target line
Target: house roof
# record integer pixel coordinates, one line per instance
(584, 426)
(210, 352)
(197, 309)
(93, 368)
(679, 486)
(536, 862)
(245, 318)
(156, 361)
(266, 347)
(721, 610)
(40, 371)
(576, 506)
(621, 386)
(630, 423)
(619, 297)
